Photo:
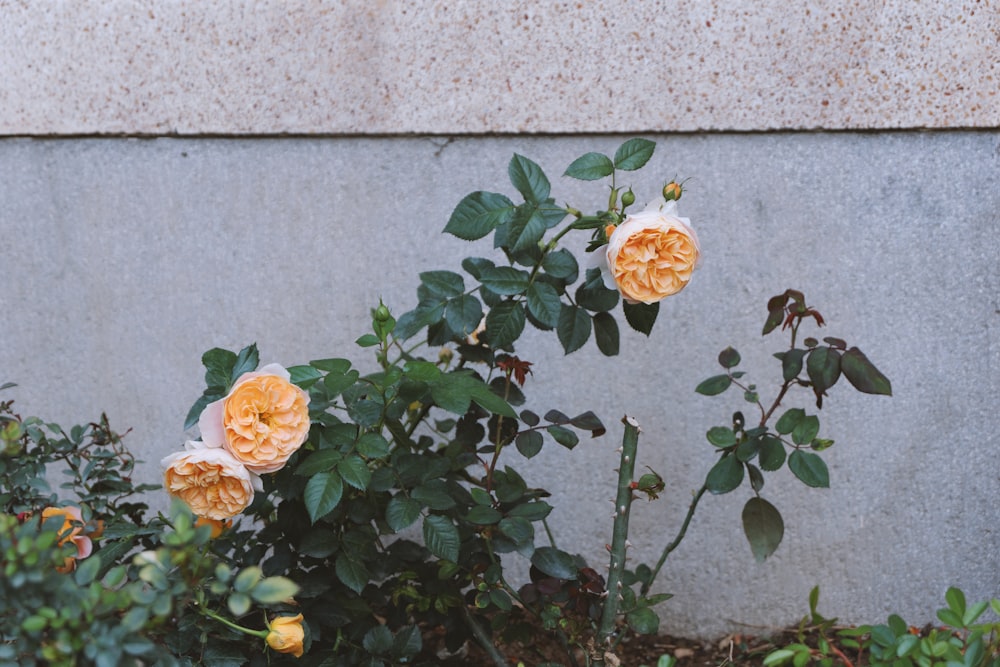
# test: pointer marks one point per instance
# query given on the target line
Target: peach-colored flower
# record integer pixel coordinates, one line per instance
(262, 421)
(652, 254)
(70, 531)
(286, 634)
(212, 483)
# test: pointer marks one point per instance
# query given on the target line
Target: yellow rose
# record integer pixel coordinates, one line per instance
(286, 634)
(262, 421)
(70, 531)
(212, 483)
(652, 254)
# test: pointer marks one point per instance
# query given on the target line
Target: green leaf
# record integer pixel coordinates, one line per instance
(401, 512)
(862, 373)
(238, 603)
(378, 640)
(443, 284)
(763, 527)
(478, 214)
(483, 515)
(355, 472)
(561, 264)
(555, 563)
(322, 494)
(373, 445)
(504, 324)
(246, 361)
(788, 421)
(606, 333)
(779, 657)
(641, 316)
(367, 340)
(805, 430)
(594, 295)
(441, 537)
(633, 154)
(791, 363)
(463, 314)
(535, 511)
(406, 643)
(714, 385)
(219, 365)
(573, 328)
(729, 358)
(809, 468)
(721, 436)
(518, 529)
(725, 475)
(643, 621)
(505, 280)
(485, 398)
(563, 436)
(322, 461)
(529, 443)
(591, 167)
(526, 229)
(273, 590)
(351, 572)
(86, 570)
(956, 601)
(823, 368)
(544, 303)
(529, 179)
(771, 454)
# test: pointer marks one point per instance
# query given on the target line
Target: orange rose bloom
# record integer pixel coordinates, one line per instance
(262, 422)
(71, 530)
(652, 254)
(216, 526)
(285, 635)
(212, 483)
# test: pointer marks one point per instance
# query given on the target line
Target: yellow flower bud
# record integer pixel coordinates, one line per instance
(285, 635)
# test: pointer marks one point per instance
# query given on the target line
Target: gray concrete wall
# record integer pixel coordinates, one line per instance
(327, 143)
(124, 259)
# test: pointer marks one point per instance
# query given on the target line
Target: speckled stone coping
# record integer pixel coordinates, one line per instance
(483, 66)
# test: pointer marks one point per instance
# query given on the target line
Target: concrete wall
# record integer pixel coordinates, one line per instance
(124, 258)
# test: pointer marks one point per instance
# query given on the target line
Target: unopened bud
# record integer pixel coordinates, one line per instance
(382, 313)
(672, 191)
(445, 355)
(628, 198)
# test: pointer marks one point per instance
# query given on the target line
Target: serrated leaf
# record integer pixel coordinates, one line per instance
(406, 643)
(483, 516)
(441, 537)
(378, 640)
(534, 511)
(372, 445)
(463, 314)
(771, 453)
(721, 436)
(806, 430)
(246, 361)
(504, 323)
(554, 562)
(322, 494)
(322, 461)
(725, 475)
(355, 472)
(763, 526)
(862, 373)
(791, 363)
(505, 280)
(606, 334)
(529, 443)
(563, 436)
(590, 167)
(633, 154)
(561, 264)
(528, 179)
(273, 590)
(714, 385)
(789, 420)
(443, 284)
(573, 328)
(641, 316)
(823, 368)
(809, 468)
(544, 303)
(401, 512)
(729, 358)
(478, 214)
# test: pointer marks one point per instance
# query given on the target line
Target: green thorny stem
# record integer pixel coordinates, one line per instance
(619, 539)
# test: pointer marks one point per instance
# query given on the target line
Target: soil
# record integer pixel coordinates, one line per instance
(642, 651)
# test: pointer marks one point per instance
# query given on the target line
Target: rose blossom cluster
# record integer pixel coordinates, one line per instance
(651, 254)
(251, 431)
